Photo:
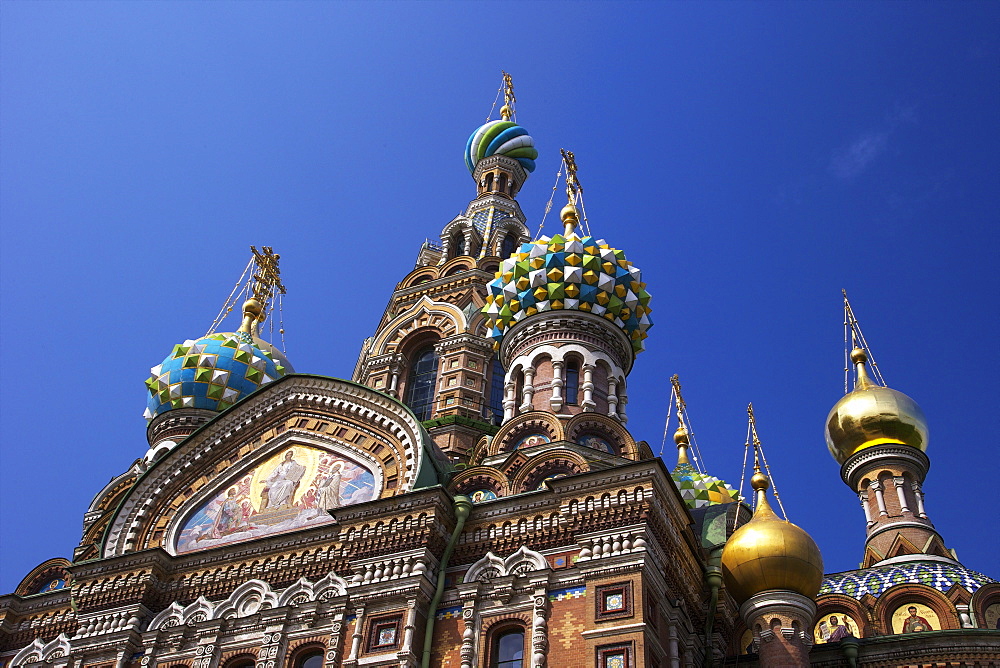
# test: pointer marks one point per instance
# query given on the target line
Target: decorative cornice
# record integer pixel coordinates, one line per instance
(860, 463)
(569, 325)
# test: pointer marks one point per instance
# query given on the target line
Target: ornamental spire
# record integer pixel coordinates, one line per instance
(264, 284)
(507, 110)
(569, 214)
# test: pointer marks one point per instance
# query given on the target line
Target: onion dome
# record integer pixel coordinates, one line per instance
(215, 371)
(873, 415)
(501, 137)
(572, 273)
(697, 489)
(769, 553)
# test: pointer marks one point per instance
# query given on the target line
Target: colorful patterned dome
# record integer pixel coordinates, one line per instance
(700, 489)
(501, 138)
(213, 372)
(572, 273)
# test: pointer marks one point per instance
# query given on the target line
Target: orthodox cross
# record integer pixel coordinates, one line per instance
(266, 277)
(507, 110)
(573, 186)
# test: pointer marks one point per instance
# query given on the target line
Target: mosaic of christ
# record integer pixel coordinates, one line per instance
(293, 489)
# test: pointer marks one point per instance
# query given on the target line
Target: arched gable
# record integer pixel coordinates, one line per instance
(446, 318)
(324, 426)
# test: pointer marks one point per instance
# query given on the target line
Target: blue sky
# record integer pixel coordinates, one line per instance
(752, 158)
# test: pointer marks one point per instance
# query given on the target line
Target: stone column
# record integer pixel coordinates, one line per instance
(409, 624)
(786, 643)
(612, 397)
(539, 629)
(556, 402)
(919, 493)
(356, 638)
(588, 404)
(876, 486)
(529, 389)
(622, 402)
(868, 511)
(901, 493)
(674, 653)
(509, 399)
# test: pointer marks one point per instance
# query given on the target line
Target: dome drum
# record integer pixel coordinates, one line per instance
(553, 327)
(889, 455)
(495, 165)
(177, 424)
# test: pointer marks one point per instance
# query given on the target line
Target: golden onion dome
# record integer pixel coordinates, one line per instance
(873, 415)
(769, 553)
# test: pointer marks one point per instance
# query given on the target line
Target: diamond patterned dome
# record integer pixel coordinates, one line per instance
(572, 273)
(213, 372)
(699, 489)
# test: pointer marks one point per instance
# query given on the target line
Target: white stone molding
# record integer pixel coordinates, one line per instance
(919, 493)
(38, 651)
(876, 487)
(528, 391)
(899, 482)
(523, 561)
(423, 307)
(888, 455)
(384, 569)
(612, 543)
(556, 401)
(866, 507)
(539, 628)
(110, 621)
(566, 328)
(781, 603)
(248, 599)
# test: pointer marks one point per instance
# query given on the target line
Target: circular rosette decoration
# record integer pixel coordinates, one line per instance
(700, 489)
(501, 138)
(572, 273)
(212, 373)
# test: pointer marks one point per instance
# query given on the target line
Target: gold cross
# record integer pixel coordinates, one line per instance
(266, 278)
(572, 182)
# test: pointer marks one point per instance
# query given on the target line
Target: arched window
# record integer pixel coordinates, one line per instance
(309, 659)
(572, 382)
(489, 182)
(508, 245)
(503, 184)
(458, 244)
(241, 662)
(518, 388)
(509, 649)
(420, 383)
(496, 392)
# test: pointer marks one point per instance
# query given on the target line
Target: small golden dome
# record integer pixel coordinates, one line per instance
(569, 213)
(873, 415)
(769, 553)
(681, 436)
(252, 307)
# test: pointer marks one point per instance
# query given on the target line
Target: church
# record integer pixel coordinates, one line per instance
(473, 496)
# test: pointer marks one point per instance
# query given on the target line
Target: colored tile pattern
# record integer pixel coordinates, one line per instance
(699, 489)
(878, 579)
(501, 138)
(213, 373)
(570, 273)
(449, 613)
(565, 594)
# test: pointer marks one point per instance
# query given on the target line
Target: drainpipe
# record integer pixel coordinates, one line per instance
(849, 647)
(463, 506)
(713, 578)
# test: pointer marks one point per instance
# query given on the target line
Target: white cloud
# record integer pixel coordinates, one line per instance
(849, 161)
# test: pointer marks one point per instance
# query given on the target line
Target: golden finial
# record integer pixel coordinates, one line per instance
(862, 381)
(569, 214)
(681, 437)
(263, 284)
(507, 110)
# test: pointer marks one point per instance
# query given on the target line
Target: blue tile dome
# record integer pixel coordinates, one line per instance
(213, 373)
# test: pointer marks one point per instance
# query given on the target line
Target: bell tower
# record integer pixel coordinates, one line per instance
(431, 350)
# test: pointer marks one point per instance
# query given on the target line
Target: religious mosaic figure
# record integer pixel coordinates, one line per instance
(915, 623)
(838, 631)
(279, 488)
(230, 516)
(328, 489)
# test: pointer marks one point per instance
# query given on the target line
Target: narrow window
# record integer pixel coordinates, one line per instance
(508, 245)
(518, 388)
(503, 184)
(420, 385)
(458, 244)
(510, 649)
(572, 382)
(496, 392)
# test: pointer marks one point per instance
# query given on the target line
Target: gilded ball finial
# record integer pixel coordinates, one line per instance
(569, 213)
(759, 482)
(506, 112)
(681, 436)
(253, 307)
(858, 356)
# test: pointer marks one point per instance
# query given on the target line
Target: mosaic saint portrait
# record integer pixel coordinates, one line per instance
(914, 618)
(834, 628)
(293, 489)
(596, 442)
(531, 440)
(481, 495)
